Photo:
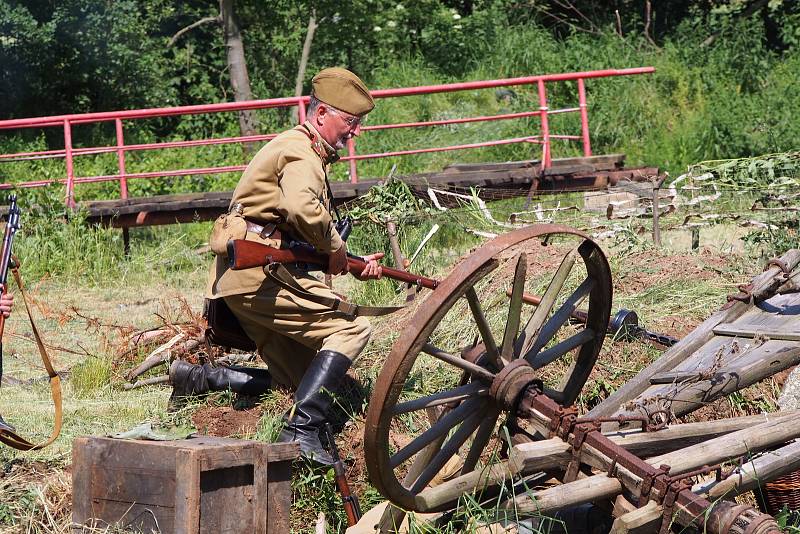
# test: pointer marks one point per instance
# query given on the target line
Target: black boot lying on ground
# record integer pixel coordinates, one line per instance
(312, 400)
(188, 379)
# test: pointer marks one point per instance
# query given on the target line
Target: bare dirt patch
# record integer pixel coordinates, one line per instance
(224, 421)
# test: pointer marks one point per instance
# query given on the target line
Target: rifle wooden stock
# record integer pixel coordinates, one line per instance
(349, 501)
(243, 254)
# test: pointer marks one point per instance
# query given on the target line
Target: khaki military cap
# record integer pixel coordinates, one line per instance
(343, 90)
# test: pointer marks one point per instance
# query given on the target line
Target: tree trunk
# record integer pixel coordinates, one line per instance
(301, 68)
(237, 66)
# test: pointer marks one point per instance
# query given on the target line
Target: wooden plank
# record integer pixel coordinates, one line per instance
(686, 347)
(674, 437)
(81, 481)
(752, 332)
(524, 458)
(261, 486)
(187, 491)
(644, 520)
(279, 497)
(143, 486)
(281, 452)
(576, 168)
(746, 369)
(223, 491)
(132, 517)
(755, 473)
(502, 166)
(781, 429)
(226, 456)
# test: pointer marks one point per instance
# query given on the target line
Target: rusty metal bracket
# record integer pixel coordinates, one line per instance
(563, 421)
(578, 438)
(668, 502)
(745, 295)
(648, 479)
(780, 264)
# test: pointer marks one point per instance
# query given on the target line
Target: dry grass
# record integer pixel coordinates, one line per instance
(89, 329)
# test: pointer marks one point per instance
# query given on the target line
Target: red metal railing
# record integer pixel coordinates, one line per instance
(121, 149)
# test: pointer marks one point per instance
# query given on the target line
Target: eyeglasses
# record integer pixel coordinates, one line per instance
(350, 120)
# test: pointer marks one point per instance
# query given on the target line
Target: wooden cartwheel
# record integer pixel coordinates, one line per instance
(401, 476)
(456, 379)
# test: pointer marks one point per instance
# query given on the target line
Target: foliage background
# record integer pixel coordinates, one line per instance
(726, 84)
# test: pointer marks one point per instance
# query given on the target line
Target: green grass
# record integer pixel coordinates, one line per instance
(88, 297)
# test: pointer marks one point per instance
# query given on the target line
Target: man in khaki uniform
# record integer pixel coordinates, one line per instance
(284, 194)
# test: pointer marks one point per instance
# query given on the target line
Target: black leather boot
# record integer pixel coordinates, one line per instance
(188, 379)
(312, 400)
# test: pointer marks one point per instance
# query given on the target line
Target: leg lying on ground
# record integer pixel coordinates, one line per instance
(189, 379)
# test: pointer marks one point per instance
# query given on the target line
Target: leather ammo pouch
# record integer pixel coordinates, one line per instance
(224, 328)
(226, 227)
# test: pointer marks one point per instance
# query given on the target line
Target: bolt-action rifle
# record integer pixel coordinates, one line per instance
(6, 261)
(350, 501)
(244, 254)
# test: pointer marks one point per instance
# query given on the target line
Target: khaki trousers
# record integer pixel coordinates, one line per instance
(289, 330)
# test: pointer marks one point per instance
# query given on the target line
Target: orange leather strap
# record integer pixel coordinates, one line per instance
(8, 436)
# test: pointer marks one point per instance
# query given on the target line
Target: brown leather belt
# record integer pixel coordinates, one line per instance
(269, 230)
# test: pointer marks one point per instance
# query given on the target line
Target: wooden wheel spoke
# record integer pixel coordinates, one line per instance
(479, 441)
(439, 428)
(529, 334)
(514, 308)
(448, 450)
(461, 363)
(472, 389)
(552, 326)
(540, 359)
(482, 323)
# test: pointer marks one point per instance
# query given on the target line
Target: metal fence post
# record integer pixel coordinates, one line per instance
(70, 198)
(656, 208)
(351, 151)
(546, 162)
(587, 145)
(123, 180)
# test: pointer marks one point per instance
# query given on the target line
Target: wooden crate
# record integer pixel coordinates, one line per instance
(201, 485)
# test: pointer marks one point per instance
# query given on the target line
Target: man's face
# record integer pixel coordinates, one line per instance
(336, 126)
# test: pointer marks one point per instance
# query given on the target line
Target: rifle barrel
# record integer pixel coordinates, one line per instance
(244, 254)
(358, 264)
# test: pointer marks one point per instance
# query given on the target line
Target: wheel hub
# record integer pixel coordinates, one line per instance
(511, 382)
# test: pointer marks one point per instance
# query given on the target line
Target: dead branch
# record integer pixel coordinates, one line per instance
(29, 337)
(148, 336)
(619, 23)
(163, 379)
(157, 357)
(205, 20)
(569, 6)
(565, 21)
(647, 15)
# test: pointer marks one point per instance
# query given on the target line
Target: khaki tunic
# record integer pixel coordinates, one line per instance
(285, 184)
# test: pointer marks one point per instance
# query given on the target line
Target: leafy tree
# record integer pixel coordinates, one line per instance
(77, 56)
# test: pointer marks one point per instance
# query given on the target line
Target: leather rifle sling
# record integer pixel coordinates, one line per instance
(278, 274)
(11, 438)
